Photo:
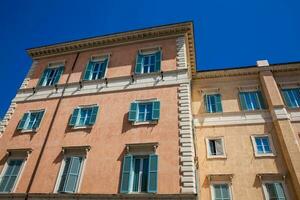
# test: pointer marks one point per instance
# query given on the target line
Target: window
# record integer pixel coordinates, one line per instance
(10, 174)
(148, 62)
(221, 192)
(84, 116)
(144, 111)
(262, 145)
(139, 174)
(274, 191)
(31, 120)
(51, 76)
(252, 100)
(70, 175)
(96, 69)
(292, 97)
(213, 103)
(215, 147)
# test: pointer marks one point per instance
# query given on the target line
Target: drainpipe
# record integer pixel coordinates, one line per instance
(49, 130)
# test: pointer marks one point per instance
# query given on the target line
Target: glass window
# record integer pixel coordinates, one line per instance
(148, 63)
(10, 175)
(213, 103)
(31, 120)
(251, 100)
(263, 145)
(51, 76)
(275, 191)
(292, 97)
(70, 174)
(144, 112)
(139, 174)
(221, 192)
(215, 147)
(84, 116)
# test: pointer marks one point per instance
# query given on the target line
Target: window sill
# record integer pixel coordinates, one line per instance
(81, 127)
(266, 155)
(144, 123)
(222, 157)
(28, 131)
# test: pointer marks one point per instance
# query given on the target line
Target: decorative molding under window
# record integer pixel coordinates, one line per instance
(187, 154)
(181, 58)
(249, 88)
(152, 80)
(232, 118)
(204, 91)
(7, 117)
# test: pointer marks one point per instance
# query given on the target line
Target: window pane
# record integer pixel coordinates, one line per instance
(145, 175)
(212, 147)
(136, 174)
(10, 175)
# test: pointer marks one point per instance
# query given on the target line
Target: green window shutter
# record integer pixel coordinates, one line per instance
(74, 117)
(59, 72)
(261, 100)
(133, 112)
(23, 121)
(104, 65)
(243, 101)
(88, 71)
(152, 173)
(38, 120)
(287, 98)
(155, 110)
(64, 175)
(157, 61)
(218, 103)
(94, 115)
(126, 173)
(44, 75)
(138, 64)
(73, 174)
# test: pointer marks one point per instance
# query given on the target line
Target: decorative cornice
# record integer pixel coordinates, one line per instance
(288, 67)
(154, 33)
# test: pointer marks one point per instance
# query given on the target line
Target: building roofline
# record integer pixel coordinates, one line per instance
(246, 70)
(120, 38)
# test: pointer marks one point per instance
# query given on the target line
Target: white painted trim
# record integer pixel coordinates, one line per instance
(208, 156)
(256, 154)
(279, 113)
(294, 114)
(19, 174)
(99, 57)
(208, 91)
(62, 166)
(232, 118)
(265, 192)
(56, 64)
(212, 194)
(142, 81)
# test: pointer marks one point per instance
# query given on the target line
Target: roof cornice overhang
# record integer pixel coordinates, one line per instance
(155, 33)
(246, 71)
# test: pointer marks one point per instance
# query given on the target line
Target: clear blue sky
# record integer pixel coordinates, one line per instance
(228, 33)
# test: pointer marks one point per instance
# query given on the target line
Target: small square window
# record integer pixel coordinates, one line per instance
(31, 120)
(144, 112)
(252, 100)
(51, 76)
(221, 191)
(213, 103)
(215, 148)
(262, 145)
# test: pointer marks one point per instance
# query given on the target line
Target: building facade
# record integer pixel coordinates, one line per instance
(104, 118)
(247, 125)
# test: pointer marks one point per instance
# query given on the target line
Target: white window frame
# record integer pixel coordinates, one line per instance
(19, 174)
(265, 191)
(144, 122)
(33, 130)
(208, 147)
(212, 193)
(76, 126)
(62, 166)
(256, 154)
